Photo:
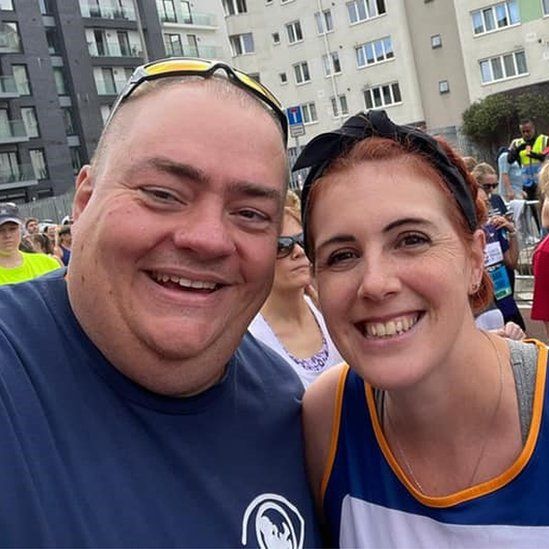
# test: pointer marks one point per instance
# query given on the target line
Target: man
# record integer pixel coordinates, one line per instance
(31, 225)
(138, 413)
(17, 266)
(529, 151)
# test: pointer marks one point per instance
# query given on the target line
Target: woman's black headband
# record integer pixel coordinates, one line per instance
(321, 151)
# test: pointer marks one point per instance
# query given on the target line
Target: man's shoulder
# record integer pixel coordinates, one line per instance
(268, 365)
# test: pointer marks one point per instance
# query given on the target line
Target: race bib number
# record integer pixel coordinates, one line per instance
(492, 254)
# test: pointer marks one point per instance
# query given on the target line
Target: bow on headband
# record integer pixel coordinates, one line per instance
(325, 148)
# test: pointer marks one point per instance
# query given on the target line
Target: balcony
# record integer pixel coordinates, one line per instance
(205, 20)
(112, 87)
(9, 40)
(8, 88)
(205, 52)
(113, 49)
(126, 13)
(21, 175)
(12, 131)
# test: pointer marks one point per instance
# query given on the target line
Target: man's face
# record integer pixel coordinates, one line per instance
(174, 247)
(32, 226)
(527, 130)
(10, 238)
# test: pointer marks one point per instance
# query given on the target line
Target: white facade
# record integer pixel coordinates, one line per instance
(422, 61)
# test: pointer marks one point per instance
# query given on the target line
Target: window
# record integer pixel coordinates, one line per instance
(436, 41)
(503, 67)
(60, 82)
(173, 45)
(38, 162)
(123, 43)
(6, 5)
(361, 10)
(21, 77)
(76, 159)
(10, 41)
(276, 38)
(283, 77)
(301, 71)
(324, 21)
(242, 43)
(28, 114)
(443, 86)
(45, 6)
(68, 119)
(382, 96)
(331, 63)
(309, 113)
(233, 7)
(9, 167)
(167, 11)
(339, 105)
(52, 39)
(374, 52)
(294, 32)
(497, 16)
(105, 112)
(545, 5)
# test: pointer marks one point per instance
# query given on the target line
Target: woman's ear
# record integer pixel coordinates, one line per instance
(477, 258)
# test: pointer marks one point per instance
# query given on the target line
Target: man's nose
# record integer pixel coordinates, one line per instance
(206, 231)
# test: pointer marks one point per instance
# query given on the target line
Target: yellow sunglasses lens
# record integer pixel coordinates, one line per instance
(178, 65)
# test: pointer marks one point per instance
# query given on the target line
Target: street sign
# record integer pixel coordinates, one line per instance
(297, 129)
(295, 115)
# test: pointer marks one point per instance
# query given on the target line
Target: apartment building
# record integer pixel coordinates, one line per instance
(424, 61)
(62, 63)
(194, 29)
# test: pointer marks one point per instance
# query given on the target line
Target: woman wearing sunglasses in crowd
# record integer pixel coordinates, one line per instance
(432, 434)
(289, 322)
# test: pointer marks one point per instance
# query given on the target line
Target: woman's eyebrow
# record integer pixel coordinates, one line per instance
(407, 221)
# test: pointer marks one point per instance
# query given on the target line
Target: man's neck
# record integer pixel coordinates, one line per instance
(11, 260)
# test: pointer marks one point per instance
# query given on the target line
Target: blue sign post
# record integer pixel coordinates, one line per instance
(295, 121)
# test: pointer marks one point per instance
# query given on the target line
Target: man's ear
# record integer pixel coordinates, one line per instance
(84, 191)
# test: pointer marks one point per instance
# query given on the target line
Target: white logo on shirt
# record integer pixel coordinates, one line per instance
(278, 523)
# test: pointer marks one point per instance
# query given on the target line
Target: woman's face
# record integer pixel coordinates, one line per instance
(293, 271)
(489, 183)
(392, 273)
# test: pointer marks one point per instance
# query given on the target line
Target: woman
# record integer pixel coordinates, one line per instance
(289, 322)
(488, 180)
(432, 438)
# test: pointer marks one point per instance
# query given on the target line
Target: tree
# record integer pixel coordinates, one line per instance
(490, 120)
(533, 106)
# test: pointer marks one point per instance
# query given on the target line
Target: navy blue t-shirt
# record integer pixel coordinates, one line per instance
(90, 459)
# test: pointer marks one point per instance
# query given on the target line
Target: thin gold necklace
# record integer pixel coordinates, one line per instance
(402, 453)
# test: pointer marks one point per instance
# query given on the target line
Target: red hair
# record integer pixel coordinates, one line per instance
(382, 149)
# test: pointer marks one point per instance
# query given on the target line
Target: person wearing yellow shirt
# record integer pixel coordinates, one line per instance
(17, 266)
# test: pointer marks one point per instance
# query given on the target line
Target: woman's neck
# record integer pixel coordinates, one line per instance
(289, 305)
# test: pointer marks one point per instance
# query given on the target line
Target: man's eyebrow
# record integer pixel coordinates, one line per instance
(179, 169)
(255, 190)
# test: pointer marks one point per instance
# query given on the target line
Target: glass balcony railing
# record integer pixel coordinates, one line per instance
(8, 87)
(114, 49)
(199, 19)
(17, 173)
(175, 50)
(12, 131)
(113, 87)
(126, 12)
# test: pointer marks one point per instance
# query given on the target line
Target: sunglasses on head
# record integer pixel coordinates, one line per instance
(489, 186)
(191, 66)
(285, 244)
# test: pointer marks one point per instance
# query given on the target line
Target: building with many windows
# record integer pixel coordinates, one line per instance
(424, 61)
(62, 64)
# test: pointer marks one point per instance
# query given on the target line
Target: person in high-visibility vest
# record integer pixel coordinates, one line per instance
(530, 151)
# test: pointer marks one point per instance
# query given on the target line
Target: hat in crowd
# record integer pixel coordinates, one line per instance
(9, 212)
(65, 229)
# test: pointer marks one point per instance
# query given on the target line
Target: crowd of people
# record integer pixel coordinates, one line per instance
(221, 363)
